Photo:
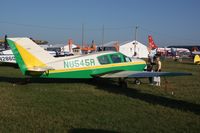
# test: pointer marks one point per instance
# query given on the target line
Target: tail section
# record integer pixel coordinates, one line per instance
(152, 45)
(29, 56)
(197, 59)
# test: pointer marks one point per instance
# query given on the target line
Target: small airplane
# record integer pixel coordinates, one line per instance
(35, 61)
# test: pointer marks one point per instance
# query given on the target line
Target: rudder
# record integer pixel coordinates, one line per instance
(28, 54)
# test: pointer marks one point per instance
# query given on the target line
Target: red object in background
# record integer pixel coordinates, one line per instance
(70, 42)
(152, 45)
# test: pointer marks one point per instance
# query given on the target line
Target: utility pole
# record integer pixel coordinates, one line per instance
(136, 30)
(103, 30)
(83, 35)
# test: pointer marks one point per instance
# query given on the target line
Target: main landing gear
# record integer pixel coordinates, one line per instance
(137, 81)
(123, 82)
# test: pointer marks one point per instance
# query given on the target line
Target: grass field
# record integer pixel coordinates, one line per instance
(42, 105)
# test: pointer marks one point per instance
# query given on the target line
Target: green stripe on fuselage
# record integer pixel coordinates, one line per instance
(89, 72)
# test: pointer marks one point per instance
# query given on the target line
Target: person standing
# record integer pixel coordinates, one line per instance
(150, 69)
(158, 66)
(5, 43)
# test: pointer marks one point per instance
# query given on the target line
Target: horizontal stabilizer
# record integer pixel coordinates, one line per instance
(39, 69)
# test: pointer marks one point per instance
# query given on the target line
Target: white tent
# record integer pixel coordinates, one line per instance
(66, 47)
(134, 49)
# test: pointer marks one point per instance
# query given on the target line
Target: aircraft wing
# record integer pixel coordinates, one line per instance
(196, 53)
(139, 74)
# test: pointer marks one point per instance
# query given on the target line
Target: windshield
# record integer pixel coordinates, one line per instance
(113, 58)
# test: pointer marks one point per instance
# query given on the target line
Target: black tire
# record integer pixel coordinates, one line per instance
(137, 82)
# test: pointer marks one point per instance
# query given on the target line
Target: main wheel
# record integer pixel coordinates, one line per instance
(137, 82)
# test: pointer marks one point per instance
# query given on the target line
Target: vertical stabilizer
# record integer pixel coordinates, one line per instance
(28, 54)
(152, 45)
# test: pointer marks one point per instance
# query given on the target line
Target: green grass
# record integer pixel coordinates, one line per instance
(42, 105)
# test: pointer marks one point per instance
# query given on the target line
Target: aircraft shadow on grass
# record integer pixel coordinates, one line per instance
(187, 63)
(85, 130)
(9, 65)
(112, 87)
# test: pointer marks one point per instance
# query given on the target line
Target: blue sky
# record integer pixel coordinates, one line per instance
(168, 21)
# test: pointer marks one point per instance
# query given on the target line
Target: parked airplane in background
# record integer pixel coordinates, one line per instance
(173, 50)
(7, 56)
(177, 52)
(35, 61)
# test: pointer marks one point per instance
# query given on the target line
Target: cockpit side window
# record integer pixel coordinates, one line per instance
(116, 58)
(103, 59)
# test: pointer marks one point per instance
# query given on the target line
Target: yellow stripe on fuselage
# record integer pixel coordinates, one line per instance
(29, 59)
(97, 67)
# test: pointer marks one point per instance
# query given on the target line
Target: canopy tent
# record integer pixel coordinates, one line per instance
(134, 49)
